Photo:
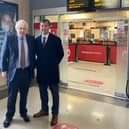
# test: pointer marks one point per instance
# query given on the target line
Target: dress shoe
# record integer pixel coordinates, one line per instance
(54, 120)
(40, 113)
(6, 123)
(26, 118)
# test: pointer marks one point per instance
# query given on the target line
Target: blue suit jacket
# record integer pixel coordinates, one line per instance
(9, 56)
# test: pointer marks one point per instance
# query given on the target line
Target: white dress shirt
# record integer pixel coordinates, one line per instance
(46, 38)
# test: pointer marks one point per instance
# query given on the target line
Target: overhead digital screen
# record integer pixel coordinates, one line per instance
(92, 5)
(125, 3)
(107, 4)
(77, 5)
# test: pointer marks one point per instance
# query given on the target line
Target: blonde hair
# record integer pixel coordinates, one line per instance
(21, 22)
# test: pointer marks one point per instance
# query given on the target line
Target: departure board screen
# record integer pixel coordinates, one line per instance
(92, 5)
(77, 5)
(107, 4)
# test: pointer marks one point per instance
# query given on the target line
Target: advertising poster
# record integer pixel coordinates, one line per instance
(8, 17)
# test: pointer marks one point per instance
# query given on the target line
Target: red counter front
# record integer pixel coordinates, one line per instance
(72, 52)
(113, 54)
(95, 53)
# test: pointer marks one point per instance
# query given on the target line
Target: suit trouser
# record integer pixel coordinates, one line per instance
(20, 83)
(54, 88)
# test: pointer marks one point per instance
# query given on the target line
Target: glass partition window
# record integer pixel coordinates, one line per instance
(89, 36)
(88, 39)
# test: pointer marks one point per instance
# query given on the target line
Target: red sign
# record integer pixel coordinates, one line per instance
(95, 82)
(65, 126)
(71, 52)
(94, 53)
(54, 31)
(36, 25)
(53, 25)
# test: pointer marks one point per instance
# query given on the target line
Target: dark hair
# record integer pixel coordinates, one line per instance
(45, 20)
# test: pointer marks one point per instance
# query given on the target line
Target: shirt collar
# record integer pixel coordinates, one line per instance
(46, 36)
(19, 37)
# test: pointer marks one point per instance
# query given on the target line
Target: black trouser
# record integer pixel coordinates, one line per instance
(54, 88)
(19, 83)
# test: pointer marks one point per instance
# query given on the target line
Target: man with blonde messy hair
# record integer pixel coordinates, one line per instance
(17, 64)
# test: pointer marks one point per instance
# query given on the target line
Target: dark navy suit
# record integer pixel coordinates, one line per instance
(17, 79)
(48, 59)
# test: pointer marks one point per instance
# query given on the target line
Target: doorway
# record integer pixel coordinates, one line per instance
(86, 38)
(97, 55)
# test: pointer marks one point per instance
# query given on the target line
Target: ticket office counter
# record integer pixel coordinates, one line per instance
(92, 52)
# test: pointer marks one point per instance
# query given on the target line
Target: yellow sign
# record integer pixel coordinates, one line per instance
(77, 4)
(107, 3)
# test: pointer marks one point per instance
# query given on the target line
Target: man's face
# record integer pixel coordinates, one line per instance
(21, 30)
(6, 23)
(44, 27)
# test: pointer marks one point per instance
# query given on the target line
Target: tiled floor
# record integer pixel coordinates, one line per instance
(92, 77)
(2, 82)
(75, 108)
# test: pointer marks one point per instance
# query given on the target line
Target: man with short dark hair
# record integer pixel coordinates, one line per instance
(49, 52)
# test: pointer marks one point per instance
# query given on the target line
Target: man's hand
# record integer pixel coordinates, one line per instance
(4, 74)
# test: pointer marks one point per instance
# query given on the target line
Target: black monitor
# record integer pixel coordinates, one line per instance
(78, 5)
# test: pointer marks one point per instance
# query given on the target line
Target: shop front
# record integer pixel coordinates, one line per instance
(91, 40)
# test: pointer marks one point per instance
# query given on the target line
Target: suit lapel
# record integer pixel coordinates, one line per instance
(40, 40)
(16, 45)
(48, 39)
(28, 41)
(28, 44)
(47, 42)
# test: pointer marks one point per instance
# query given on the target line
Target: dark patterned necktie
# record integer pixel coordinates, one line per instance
(44, 41)
(22, 60)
